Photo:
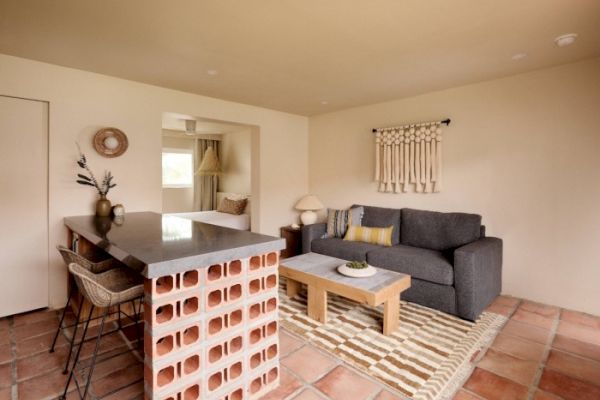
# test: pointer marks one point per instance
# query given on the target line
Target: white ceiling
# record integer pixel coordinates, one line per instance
(293, 55)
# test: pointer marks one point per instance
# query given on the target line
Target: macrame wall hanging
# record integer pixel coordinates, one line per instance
(409, 156)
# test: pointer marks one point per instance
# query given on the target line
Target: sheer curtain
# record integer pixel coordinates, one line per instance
(205, 187)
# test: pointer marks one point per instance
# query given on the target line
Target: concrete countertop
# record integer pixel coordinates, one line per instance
(158, 245)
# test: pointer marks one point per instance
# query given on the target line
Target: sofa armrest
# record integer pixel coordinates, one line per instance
(477, 275)
(310, 233)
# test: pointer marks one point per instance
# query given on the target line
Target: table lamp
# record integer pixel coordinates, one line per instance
(309, 204)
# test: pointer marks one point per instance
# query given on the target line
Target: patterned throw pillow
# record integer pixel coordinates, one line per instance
(235, 207)
(339, 220)
(380, 236)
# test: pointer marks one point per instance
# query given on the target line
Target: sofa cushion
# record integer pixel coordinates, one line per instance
(338, 220)
(424, 264)
(368, 234)
(438, 231)
(340, 248)
(379, 217)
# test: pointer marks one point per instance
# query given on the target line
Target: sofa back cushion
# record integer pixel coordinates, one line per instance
(438, 231)
(379, 217)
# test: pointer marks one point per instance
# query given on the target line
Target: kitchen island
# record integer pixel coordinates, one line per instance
(210, 302)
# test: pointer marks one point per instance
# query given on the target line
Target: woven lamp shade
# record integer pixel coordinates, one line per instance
(210, 163)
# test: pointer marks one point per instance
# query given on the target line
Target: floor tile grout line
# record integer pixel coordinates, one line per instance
(539, 362)
(310, 388)
(305, 384)
(542, 365)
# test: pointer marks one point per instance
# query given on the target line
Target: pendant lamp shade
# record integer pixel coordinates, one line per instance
(210, 163)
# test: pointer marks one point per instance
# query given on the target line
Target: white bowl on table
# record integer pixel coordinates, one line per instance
(357, 272)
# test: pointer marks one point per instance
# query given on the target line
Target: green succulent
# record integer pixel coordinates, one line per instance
(357, 264)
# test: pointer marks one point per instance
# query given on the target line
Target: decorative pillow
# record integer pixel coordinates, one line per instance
(235, 207)
(380, 236)
(339, 220)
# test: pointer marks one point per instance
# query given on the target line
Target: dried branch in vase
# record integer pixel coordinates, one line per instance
(90, 179)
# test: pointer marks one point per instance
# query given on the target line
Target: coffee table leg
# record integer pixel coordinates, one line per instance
(317, 304)
(391, 315)
(293, 287)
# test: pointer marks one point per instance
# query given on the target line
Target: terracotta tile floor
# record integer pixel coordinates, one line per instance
(542, 353)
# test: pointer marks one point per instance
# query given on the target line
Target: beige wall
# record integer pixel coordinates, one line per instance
(82, 102)
(236, 162)
(523, 151)
(177, 199)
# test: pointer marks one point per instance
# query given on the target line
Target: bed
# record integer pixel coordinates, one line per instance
(241, 222)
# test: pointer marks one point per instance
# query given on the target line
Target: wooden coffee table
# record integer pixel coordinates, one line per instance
(319, 273)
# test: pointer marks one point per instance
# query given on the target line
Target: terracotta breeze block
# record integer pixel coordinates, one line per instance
(167, 343)
(167, 375)
(192, 392)
(262, 333)
(219, 353)
(223, 295)
(217, 380)
(262, 309)
(211, 332)
(263, 383)
(220, 324)
(236, 394)
(171, 284)
(260, 357)
(163, 314)
(262, 284)
(263, 263)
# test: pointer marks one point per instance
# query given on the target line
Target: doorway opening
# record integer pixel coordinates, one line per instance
(210, 170)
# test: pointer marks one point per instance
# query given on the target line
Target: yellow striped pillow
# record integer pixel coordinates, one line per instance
(381, 236)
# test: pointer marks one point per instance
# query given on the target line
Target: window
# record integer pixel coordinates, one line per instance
(177, 168)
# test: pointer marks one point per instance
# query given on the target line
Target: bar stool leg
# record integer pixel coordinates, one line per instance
(62, 318)
(93, 363)
(81, 343)
(73, 339)
(119, 316)
(137, 323)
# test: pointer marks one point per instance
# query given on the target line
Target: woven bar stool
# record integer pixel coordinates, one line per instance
(94, 267)
(111, 288)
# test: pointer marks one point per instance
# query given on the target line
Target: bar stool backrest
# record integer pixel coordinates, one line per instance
(91, 287)
(70, 256)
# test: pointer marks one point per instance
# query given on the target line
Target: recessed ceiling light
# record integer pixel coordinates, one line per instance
(519, 56)
(324, 102)
(212, 72)
(565, 40)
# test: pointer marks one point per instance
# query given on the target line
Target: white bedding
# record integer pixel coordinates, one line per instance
(241, 222)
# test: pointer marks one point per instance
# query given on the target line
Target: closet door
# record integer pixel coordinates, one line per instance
(23, 205)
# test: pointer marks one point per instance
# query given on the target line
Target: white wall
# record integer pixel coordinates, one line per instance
(523, 151)
(177, 199)
(82, 102)
(236, 162)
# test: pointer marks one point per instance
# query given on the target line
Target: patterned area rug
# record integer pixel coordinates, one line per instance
(428, 357)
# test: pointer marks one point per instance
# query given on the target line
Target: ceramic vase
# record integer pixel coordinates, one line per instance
(103, 206)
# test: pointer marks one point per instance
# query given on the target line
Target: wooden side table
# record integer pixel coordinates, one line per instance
(293, 241)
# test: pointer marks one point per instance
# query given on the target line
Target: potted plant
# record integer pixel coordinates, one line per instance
(103, 205)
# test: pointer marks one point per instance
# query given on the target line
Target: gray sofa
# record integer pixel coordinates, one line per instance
(454, 267)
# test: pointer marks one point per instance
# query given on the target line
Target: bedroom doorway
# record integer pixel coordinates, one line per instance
(205, 161)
